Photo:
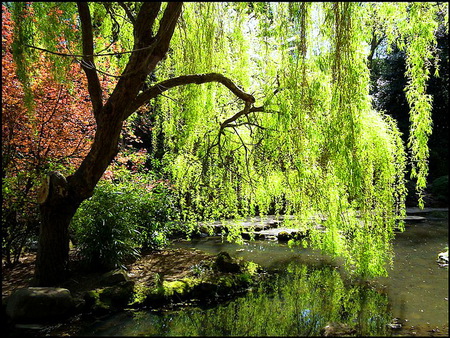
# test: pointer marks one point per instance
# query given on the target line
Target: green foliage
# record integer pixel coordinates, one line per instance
(122, 218)
(318, 147)
(53, 31)
(420, 45)
(414, 30)
(20, 216)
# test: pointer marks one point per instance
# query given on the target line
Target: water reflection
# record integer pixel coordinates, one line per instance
(299, 302)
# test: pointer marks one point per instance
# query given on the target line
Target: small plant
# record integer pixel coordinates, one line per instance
(104, 232)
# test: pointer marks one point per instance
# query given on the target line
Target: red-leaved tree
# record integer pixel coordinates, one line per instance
(56, 133)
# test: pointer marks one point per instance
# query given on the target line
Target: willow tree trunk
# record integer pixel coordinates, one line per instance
(64, 196)
(57, 208)
(61, 197)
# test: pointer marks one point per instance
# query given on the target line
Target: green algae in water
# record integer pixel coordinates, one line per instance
(300, 302)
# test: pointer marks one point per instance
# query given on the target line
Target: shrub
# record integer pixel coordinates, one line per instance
(20, 216)
(121, 218)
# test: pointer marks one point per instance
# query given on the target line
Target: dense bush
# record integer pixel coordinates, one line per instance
(123, 217)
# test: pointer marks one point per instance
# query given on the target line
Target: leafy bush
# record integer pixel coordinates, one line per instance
(123, 217)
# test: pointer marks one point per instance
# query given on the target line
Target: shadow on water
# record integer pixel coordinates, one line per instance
(312, 295)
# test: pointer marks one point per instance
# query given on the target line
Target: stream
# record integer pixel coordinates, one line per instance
(312, 295)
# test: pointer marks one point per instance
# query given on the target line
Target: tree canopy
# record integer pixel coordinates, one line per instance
(262, 107)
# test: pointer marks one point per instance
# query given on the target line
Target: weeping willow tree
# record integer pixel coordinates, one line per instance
(263, 107)
(314, 146)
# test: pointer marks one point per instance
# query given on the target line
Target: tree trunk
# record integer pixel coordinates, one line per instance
(57, 209)
(60, 198)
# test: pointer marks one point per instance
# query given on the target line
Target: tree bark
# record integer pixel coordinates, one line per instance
(57, 209)
(61, 198)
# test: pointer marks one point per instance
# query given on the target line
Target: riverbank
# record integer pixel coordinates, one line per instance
(173, 263)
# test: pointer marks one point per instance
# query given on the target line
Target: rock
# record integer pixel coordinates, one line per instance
(39, 304)
(283, 236)
(395, 324)
(414, 219)
(443, 259)
(274, 223)
(252, 235)
(337, 329)
(114, 277)
(246, 235)
(259, 236)
(103, 300)
(224, 263)
(204, 290)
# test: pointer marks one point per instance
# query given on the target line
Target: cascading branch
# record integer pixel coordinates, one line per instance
(315, 147)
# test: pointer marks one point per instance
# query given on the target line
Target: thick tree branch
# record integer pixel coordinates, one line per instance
(247, 110)
(94, 87)
(162, 86)
(142, 63)
(166, 28)
(143, 26)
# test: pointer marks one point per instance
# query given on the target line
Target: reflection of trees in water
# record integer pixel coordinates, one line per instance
(301, 302)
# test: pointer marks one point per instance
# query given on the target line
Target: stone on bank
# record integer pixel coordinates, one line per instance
(38, 304)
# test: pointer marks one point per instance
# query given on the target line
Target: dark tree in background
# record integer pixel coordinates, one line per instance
(388, 90)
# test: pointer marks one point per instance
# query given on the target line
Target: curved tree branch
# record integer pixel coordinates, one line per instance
(247, 110)
(162, 86)
(94, 87)
(127, 12)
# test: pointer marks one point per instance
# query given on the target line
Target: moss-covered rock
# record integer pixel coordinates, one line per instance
(37, 304)
(219, 277)
(114, 277)
(224, 263)
(284, 236)
(109, 298)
